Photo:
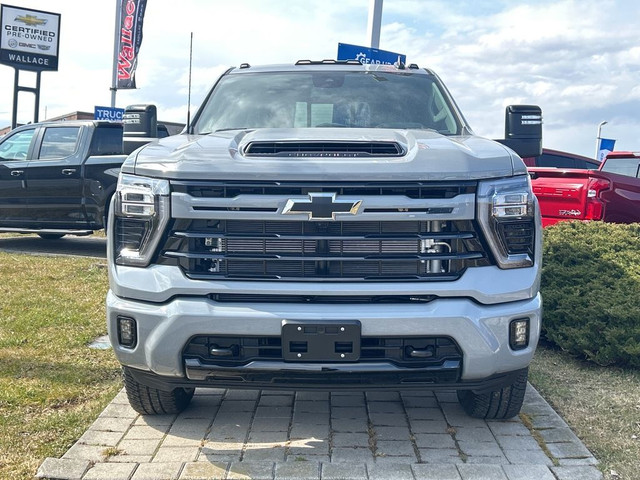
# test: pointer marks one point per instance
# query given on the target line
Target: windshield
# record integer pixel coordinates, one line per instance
(328, 99)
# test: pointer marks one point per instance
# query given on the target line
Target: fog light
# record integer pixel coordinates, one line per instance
(519, 333)
(127, 335)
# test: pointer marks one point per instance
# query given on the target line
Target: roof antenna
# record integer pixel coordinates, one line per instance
(189, 95)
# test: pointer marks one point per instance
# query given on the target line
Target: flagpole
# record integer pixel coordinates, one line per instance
(116, 44)
(604, 122)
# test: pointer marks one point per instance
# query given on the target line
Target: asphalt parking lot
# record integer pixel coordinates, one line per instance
(249, 434)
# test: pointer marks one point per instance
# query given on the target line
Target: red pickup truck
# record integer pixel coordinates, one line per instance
(610, 192)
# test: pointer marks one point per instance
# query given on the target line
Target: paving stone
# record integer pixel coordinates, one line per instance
(435, 472)
(110, 471)
(313, 396)
(532, 471)
(139, 447)
(424, 414)
(517, 442)
(351, 455)
(547, 421)
(386, 407)
(568, 450)
(311, 407)
(393, 448)
(558, 435)
(578, 461)
(251, 471)
(110, 424)
(155, 420)
(487, 460)
(448, 396)
(350, 440)
(527, 457)
(267, 437)
(351, 425)
(271, 424)
(303, 430)
(481, 472)
(118, 410)
(129, 459)
(275, 454)
(342, 471)
(311, 418)
(62, 469)
(304, 457)
(274, 412)
(217, 448)
(157, 471)
(573, 473)
(388, 419)
(480, 449)
(338, 413)
(97, 437)
(434, 440)
(347, 400)
(440, 455)
(474, 434)
(297, 471)
(92, 453)
(508, 428)
(204, 471)
(231, 407)
(219, 457)
(239, 395)
(276, 401)
(392, 433)
(428, 426)
(145, 432)
(176, 454)
(390, 471)
(382, 396)
(420, 402)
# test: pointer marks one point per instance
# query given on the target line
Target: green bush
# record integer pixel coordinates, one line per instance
(591, 290)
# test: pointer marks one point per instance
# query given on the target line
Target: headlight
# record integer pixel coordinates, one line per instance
(507, 211)
(141, 211)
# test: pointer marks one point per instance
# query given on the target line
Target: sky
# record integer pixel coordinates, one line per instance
(579, 60)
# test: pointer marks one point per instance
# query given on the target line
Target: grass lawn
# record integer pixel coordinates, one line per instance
(600, 404)
(52, 386)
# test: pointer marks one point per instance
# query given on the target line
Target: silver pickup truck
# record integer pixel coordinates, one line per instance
(328, 225)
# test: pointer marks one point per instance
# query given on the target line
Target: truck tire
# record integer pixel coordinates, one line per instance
(499, 404)
(151, 401)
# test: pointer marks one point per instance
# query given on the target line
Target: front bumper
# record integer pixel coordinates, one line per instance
(480, 331)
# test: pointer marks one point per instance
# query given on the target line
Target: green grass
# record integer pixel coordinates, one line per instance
(52, 386)
(600, 404)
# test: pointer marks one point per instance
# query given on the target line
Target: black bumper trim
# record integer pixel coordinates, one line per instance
(326, 377)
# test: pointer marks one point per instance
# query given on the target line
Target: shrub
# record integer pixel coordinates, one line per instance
(591, 290)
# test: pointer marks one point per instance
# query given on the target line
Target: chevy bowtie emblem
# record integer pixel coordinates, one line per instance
(321, 206)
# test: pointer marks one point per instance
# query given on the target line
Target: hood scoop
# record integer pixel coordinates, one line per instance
(328, 149)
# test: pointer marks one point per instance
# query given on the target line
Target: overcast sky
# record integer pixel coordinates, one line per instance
(578, 59)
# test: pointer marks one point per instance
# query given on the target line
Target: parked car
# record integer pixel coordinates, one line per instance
(558, 159)
(610, 193)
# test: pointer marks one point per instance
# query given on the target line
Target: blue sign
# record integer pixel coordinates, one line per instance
(367, 55)
(109, 114)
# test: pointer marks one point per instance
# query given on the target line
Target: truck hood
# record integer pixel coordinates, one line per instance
(424, 156)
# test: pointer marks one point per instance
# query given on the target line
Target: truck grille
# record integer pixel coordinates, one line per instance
(266, 245)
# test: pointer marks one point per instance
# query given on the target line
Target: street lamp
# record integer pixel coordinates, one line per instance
(604, 122)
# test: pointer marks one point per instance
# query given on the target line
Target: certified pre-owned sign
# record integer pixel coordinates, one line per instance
(30, 38)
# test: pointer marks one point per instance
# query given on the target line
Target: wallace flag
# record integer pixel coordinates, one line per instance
(131, 15)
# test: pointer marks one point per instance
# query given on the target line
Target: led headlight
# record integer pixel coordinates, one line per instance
(141, 211)
(507, 211)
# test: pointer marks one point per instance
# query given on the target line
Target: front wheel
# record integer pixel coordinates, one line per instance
(499, 404)
(151, 401)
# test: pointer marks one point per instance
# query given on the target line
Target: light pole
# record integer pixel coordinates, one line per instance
(604, 122)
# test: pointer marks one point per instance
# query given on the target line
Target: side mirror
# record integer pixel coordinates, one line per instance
(523, 130)
(140, 124)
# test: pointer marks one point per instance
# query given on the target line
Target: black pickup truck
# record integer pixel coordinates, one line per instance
(57, 178)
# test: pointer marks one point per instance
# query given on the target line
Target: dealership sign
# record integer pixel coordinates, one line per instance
(30, 38)
(366, 55)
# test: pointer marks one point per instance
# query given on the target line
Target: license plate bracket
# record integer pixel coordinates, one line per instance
(304, 341)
